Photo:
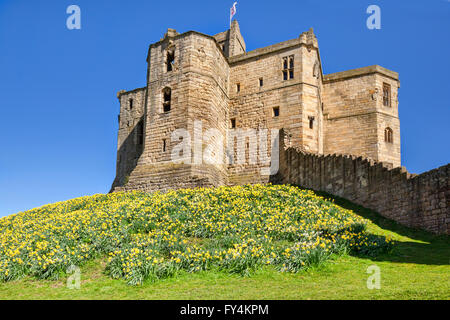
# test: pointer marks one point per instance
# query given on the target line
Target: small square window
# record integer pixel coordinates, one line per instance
(276, 112)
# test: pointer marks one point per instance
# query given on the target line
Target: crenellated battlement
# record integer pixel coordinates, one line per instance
(419, 201)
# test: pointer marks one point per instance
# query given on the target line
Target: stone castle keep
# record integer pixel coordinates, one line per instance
(349, 117)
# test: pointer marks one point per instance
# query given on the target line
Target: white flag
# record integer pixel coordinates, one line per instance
(232, 11)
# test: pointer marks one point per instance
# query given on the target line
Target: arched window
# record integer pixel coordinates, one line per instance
(167, 97)
(386, 95)
(388, 135)
(288, 68)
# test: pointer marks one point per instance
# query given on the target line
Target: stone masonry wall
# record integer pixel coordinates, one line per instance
(419, 201)
(257, 87)
(132, 110)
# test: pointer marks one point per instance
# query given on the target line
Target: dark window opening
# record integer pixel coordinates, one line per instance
(288, 68)
(388, 135)
(233, 123)
(164, 145)
(131, 104)
(276, 111)
(261, 82)
(238, 87)
(311, 122)
(170, 59)
(167, 93)
(386, 95)
(140, 133)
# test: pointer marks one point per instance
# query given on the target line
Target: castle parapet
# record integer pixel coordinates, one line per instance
(418, 201)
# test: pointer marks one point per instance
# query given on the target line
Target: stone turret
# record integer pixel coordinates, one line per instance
(231, 41)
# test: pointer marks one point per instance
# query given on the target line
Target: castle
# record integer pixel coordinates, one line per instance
(213, 79)
(271, 115)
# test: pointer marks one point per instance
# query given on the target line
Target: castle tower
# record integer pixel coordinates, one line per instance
(361, 114)
(186, 94)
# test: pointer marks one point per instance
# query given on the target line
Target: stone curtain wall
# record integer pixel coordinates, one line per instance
(419, 201)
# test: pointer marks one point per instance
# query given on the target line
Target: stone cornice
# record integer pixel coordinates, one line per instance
(375, 69)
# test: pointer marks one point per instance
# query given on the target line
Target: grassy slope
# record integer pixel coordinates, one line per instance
(419, 268)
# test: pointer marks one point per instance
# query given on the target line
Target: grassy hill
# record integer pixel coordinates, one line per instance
(246, 242)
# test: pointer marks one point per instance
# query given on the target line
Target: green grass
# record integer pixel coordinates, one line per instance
(417, 268)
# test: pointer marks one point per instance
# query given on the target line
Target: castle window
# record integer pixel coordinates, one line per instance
(164, 145)
(276, 112)
(288, 68)
(131, 104)
(140, 133)
(261, 82)
(233, 123)
(167, 96)
(170, 59)
(311, 122)
(238, 87)
(386, 95)
(388, 135)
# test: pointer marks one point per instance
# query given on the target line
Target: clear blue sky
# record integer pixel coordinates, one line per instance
(58, 86)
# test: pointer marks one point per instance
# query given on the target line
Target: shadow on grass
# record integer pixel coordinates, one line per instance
(428, 248)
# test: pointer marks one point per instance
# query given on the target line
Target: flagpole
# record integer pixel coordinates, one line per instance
(232, 12)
